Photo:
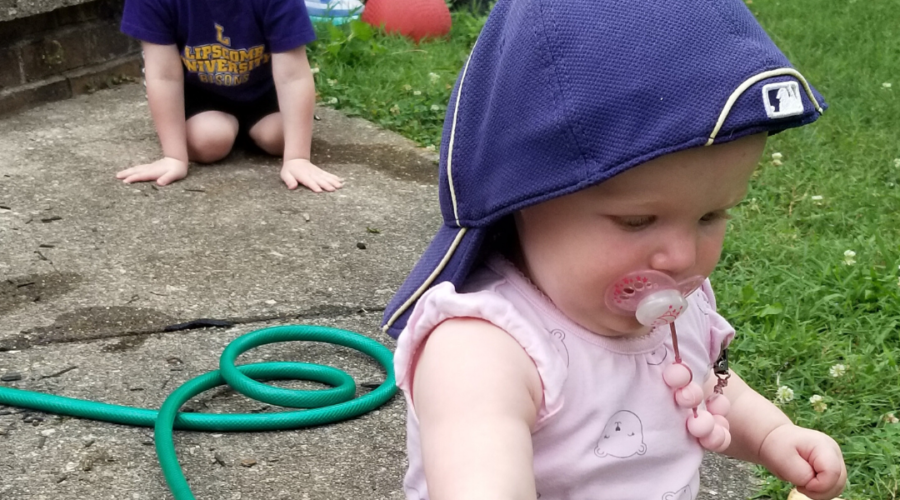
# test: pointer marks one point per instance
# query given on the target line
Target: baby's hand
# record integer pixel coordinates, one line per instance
(808, 459)
(164, 171)
(300, 171)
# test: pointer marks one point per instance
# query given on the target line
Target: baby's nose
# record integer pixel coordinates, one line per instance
(677, 254)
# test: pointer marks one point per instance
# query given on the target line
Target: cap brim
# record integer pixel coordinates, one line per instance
(450, 257)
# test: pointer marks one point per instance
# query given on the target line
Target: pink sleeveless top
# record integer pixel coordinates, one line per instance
(609, 427)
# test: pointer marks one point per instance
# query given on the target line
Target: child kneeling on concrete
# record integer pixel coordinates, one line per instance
(216, 69)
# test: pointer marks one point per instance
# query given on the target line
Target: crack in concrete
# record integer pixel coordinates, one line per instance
(324, 311)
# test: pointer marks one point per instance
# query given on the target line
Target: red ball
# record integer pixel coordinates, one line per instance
(416, 19)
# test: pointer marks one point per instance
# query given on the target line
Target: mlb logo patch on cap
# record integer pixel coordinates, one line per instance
(782, 99)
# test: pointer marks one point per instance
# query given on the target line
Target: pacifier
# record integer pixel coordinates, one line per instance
(652, 296)
(656, 300)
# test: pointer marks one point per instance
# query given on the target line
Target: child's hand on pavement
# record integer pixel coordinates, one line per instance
(809, 459)
(300, 171)
(164, 171)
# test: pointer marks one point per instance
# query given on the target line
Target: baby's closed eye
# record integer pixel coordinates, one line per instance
(634, 222)
(715, 216)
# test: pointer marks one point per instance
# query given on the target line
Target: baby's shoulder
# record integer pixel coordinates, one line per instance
(712, 329)
(485, 302)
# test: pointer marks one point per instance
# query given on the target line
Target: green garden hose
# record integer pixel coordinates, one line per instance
(324, 406)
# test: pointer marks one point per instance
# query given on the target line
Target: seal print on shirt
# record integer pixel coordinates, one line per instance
(657, 356)
(622, 437)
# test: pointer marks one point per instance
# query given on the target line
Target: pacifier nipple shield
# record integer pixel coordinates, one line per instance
(657, 300)
(653, 297)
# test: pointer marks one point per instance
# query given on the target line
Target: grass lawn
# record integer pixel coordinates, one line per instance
(809, 275)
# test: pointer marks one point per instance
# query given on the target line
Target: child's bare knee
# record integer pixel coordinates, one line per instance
(271, 143)
(268, 134)
(208, 148)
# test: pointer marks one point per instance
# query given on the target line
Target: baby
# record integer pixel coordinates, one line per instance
(559, 338)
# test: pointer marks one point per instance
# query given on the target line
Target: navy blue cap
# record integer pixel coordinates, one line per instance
(559, 95)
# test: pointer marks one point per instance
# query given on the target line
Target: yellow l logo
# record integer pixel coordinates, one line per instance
(224, 40)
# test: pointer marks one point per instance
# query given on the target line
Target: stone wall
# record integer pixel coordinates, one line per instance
(56, 54)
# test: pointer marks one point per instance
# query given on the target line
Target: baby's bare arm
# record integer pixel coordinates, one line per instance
(763, 434)
(476, 394)
(752, 418)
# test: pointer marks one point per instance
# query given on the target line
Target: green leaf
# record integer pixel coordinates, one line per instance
(333, 48)
(335, 33)
(771, 310)
(361, 30)
(748, 294)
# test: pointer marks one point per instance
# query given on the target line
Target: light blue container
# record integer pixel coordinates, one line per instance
(334, 11)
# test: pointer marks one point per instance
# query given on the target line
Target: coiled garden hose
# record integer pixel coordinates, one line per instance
(324, 406)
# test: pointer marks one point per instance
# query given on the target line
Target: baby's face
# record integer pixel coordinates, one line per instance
(668, 214)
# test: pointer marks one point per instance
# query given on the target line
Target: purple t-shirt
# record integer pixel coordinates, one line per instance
(226, 45)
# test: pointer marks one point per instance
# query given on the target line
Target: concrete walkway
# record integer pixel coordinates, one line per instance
(92, 271)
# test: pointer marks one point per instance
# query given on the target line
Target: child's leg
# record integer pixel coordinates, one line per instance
(268, 134)
(210, 136)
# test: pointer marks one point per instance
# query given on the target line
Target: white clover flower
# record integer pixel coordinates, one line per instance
(431, 147)
(818, 403)
(784, 394)
(777, 156)
(434, 77)
(314, 70)
(331, 83)
(896, 162)
(395, 110)
(886, 85)
(332, 100)
(891, 418)
(435, 107)
(417, 92)
(848, 257)
(407, 87)
(837, 370)
(817, 199)
(777, 163)
(753, 204)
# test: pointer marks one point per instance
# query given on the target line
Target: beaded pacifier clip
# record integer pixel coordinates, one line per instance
(657, 300)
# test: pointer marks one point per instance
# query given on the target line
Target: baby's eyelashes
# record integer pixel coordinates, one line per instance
(715, 216)
(634, 223)
(639, 222)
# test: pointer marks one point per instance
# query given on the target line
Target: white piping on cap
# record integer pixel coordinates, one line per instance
(749, 82)
(424, 286)
(453, 135)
